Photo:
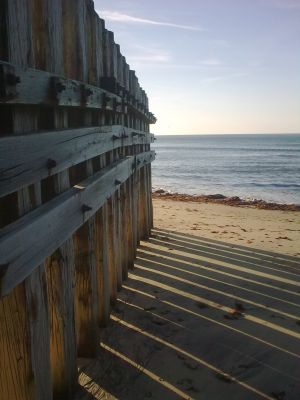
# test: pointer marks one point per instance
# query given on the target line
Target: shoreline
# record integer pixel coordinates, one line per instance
(233, 201)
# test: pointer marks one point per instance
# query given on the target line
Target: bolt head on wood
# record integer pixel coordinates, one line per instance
(12, 79)
(85, 208)
(51, 163)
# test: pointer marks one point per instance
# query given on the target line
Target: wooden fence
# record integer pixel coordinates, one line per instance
(75, 189)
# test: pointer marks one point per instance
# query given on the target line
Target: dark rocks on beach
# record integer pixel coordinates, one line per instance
(230, 201)
(216, 196)
(234, 198)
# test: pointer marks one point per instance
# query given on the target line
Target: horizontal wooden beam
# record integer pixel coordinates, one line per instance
(35, 87)
(25, 159)
(25, 243)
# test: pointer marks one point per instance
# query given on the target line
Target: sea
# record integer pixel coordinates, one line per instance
(250, 166)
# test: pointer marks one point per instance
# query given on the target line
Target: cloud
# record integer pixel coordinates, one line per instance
(211, 62)
(224, 77)
(284, 4)
(149, 57)
(129, 19)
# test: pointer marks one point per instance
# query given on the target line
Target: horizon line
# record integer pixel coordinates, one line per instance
(228, 133)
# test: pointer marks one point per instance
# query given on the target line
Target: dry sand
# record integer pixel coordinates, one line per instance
(272, 230)
(211, 310)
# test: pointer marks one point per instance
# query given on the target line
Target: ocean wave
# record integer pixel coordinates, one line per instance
(268, 185)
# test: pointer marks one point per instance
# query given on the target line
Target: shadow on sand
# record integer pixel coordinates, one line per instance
(201, 319)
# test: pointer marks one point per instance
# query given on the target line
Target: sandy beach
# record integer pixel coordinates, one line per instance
(210, 310)
(266, 229)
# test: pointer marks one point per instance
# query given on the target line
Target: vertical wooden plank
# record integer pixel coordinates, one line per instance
(118, 235)
(125, 228)
(86, 291)
(114, 56)
(123, 232)
(112, 242)
(24, 327)
(60, 267)
(110, 70)
(150, 195)
(99, 50)
(16, 378)
(82, 34)
(141, 206)
(103, 261)
(86, 288)
(148, 200)
(118, 230)
(129, 215)
(111, 251)
(19, 33)
(144, 223)
(129, 218)
(134, 188)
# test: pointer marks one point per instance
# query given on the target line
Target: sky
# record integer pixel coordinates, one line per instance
(213, 66)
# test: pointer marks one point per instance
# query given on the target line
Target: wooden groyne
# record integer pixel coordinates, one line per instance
(75, 189)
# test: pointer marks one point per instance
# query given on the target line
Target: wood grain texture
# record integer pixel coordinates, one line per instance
(63, 148)
(59, 244)
(37, 87)
(85, 238)
(62, 216)
(60, 264)
(26, 352)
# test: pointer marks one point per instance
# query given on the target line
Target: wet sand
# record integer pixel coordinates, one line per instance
(210, 311)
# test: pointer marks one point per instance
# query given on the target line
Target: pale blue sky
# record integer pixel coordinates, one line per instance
(213, 66)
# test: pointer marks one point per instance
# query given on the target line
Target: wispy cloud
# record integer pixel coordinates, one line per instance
(211, 62)
(129, 19)
(145, 56)
(224, 77)
(160, 58)
(284, 4)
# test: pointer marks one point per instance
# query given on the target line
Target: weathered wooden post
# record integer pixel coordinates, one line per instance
(24, 322)
(73, 255)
